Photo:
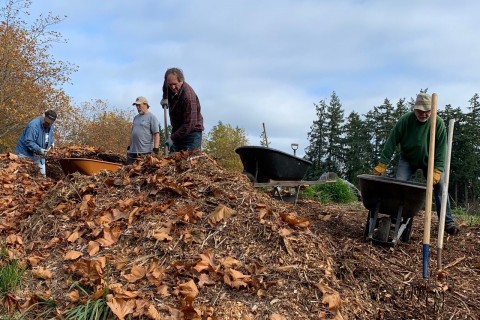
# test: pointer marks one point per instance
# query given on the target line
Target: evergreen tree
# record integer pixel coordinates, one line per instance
(358, 150)
(373, 131)
(317, 143)
(472, 158)
(334, 156)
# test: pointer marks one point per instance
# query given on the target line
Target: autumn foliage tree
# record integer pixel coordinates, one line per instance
(97, 124)
(221, 142)
(30, 78)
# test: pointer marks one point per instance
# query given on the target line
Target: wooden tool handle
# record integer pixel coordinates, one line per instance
(428, 199)
(431, 158)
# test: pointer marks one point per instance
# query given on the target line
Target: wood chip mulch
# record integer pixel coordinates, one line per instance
(178, 237)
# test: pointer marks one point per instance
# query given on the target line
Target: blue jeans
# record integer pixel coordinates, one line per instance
(39, 161)
(190, 142)
(405, 172)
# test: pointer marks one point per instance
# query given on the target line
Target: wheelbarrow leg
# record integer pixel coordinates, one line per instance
(399, 226)
(408, 229)
(371, 222)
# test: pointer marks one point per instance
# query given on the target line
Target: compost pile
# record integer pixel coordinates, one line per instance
(178, 237)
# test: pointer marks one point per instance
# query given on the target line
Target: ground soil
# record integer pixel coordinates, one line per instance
(179, 237)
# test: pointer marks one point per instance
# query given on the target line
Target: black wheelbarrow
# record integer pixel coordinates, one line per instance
(392, 204)
(263, 164)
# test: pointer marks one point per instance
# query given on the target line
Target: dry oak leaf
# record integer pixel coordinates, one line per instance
(163, 233)
(233, 278)
(284, 232)
(132, 215)
(74, 296)
(110, 236)
(13, 238)
(229, 262)
(120, 292)
(277, 316)
(60, 208)
(153, 314)
(188, 289)
(291, 219)
(332, 299)
(72, 255)
(205, 280)
(93, 248)
(34, 260)
(155, 273)
(162, 291)
(74, 236)
(41, 273)
(120, 307)
(117, 215)
(206, 261)
(137, 273)
(10, 303)
(220, 213)
(120, 262)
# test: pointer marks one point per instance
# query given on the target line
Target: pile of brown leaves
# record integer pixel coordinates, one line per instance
(178, 237)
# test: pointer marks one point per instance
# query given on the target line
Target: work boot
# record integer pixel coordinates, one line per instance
(452, 229)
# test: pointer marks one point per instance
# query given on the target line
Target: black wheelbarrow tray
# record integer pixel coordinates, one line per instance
(392, 205)
(263, 164)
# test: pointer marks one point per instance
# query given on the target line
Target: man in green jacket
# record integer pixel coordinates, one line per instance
(412, 134)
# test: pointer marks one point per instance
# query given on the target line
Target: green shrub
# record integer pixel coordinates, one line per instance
(337, 192)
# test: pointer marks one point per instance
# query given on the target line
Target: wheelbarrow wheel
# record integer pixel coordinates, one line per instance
(408, 231)
(383, 231)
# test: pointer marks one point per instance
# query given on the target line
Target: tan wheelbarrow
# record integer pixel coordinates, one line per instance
(392, 205)
(87, 166)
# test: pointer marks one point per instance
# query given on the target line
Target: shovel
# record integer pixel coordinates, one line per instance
(166, 128)
(428, 199)
(441, 224)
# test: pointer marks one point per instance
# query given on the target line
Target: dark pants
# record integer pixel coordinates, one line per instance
(190, 142)
(131, 157)
(405, 172)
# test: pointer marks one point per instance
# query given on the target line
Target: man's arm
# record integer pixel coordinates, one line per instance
(156, 140)
(31, 136)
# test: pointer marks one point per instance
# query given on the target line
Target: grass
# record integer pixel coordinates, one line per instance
(11, 274)
(92, 310)
(466, 217)
(96, 309)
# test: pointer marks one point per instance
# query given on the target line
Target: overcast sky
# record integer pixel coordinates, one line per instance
(253, 62)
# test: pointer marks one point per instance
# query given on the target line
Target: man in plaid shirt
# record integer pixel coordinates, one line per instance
(184, 110)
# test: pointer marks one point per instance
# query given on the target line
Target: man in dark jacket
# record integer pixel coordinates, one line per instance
(184, 111)
(37, 138)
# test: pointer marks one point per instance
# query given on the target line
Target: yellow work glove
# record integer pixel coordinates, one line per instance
(379, 170)
(437, 175)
